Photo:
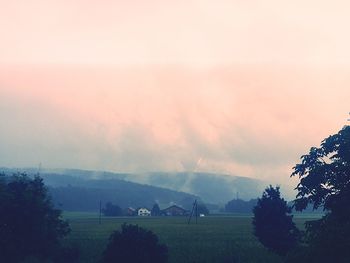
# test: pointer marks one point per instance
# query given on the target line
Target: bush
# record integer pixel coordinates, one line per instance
(134, 245)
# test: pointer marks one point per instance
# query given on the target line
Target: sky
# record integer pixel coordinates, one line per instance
(236, 87)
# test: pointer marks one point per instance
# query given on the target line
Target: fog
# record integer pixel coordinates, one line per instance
(247, 122)
(230, 87)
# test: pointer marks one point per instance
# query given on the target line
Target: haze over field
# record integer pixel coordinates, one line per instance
(236, 87)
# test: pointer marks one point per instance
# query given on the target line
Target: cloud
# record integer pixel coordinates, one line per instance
(246, 87)
(253, 122)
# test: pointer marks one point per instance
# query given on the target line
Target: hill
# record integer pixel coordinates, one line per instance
(210, 187)
(80, 191)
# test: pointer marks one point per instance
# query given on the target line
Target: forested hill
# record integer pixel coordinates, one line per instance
(76, 193)
(212, 188)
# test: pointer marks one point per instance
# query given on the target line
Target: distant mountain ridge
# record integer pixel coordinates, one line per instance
(80, 191)
(211, 188)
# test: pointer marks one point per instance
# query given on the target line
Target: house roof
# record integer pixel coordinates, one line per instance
(143, 208)
(174, 206)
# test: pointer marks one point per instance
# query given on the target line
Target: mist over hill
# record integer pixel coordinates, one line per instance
(212, 188)
(209, 187)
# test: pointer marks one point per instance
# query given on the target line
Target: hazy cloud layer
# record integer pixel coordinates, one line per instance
(252, 122)
(240, 87)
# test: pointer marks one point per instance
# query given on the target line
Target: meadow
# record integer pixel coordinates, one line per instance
(213, 239)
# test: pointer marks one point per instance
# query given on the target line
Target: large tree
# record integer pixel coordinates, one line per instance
(325, 182)
(273, 222)
(30, 227)
(325, 175)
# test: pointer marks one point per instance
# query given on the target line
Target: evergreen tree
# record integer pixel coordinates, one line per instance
(155, 210)
(273, 222)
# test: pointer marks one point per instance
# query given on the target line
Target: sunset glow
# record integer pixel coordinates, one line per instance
(235, 87)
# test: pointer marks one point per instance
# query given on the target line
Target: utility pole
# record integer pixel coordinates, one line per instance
(39, 168)
(194, 210)
(99, 219)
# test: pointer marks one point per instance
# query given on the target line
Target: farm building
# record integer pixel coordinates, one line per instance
(175, 210)
(143, 212)
(130, 211)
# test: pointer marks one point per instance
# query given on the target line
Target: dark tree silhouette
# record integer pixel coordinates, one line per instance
(112, 210)
(133, 245)
(30, 227)
(240, 206)
(325, 175)
(325, 182)
(273, 224)
(155, 210)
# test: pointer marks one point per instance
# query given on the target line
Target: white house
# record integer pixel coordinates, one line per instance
(143, 212)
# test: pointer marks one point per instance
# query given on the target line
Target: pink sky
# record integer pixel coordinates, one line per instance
(238, 87)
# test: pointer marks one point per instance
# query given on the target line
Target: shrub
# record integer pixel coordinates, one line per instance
(134, 244)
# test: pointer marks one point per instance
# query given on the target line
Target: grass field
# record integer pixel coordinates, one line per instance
(213, 239)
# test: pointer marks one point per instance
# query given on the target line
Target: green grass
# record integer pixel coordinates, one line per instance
(213, 239)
